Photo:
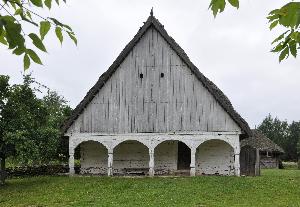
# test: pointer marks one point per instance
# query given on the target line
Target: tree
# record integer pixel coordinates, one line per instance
(285, 135)
(14, 14)
(58, 111)
(23, 121)
(5, 149)
(287, 16)
(293, 140)
(29, 126)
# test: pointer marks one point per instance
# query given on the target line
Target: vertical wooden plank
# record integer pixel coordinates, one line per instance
(176, 102)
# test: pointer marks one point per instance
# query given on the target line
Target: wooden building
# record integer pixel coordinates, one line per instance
(269, 152)
(154, 112)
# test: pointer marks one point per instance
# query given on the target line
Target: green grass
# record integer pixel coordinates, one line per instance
(290, 165)
(273, 188)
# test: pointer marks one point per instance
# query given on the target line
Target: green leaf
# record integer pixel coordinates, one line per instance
(57, 1)
(29, 20)
(234, 3)
(59, 34)
(273, 24)
(55, 21)
(72, 37)
(2, 40)
(13, 35)
(37, 42)
(34, 56)
(277, 48)
(19, 51)
(58, 23)
(280, 37)
(37, 3)
(293, 48)
(296, 36)
(26, 62)
(272, 17)
(48, 3)
(284, 54)
(44, 28)
(13, 5)
(68, 27)
(217, 6)
(29, 15)
(289, 14)
(2, 37)
(19, 11)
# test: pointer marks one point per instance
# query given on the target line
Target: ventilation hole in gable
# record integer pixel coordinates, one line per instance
(162, 75)
(141, 75)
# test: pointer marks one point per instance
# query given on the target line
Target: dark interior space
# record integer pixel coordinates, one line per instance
(184, 156)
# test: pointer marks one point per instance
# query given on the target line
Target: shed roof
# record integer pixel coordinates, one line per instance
(261, 142)
(211, 87)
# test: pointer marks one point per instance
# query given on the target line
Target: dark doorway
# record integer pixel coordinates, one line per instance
(184, 156)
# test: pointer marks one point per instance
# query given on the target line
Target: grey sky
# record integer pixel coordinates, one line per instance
(231, 50)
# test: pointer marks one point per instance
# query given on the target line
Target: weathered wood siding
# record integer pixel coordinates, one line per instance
(269, 162)
(175, 102)
(249, 159)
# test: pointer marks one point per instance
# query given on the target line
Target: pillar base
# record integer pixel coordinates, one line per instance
(151, 172)
(71, 172)
(193, 171)
(110, 172)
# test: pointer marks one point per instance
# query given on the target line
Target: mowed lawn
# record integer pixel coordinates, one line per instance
(273, 188)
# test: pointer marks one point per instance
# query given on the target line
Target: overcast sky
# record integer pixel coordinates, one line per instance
(231, 50)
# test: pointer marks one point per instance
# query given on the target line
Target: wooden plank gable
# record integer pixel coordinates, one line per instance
(153, 90)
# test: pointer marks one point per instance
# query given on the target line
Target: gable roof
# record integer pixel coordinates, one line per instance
(261, 142)
(210, 86)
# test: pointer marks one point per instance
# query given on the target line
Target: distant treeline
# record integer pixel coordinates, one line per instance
(284, 134)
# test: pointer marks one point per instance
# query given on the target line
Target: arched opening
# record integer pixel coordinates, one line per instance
(92, 158)
(215, 157)
(172, 157)
(131, 158)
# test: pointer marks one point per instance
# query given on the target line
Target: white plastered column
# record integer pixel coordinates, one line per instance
(151, 162)
(110, 162)
(71, 164)
(237, 160)
(71, 157)
(193, 162)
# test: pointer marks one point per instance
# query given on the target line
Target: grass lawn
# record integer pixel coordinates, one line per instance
(273, 188)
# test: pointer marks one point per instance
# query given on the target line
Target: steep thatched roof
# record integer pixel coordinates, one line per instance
(261, 142)
(152, 22)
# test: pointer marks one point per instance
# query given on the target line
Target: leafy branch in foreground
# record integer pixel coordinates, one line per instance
(289, 41)
(14, 14)
(287, 16)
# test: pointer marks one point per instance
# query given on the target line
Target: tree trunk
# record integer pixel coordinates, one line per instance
(2, 170)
